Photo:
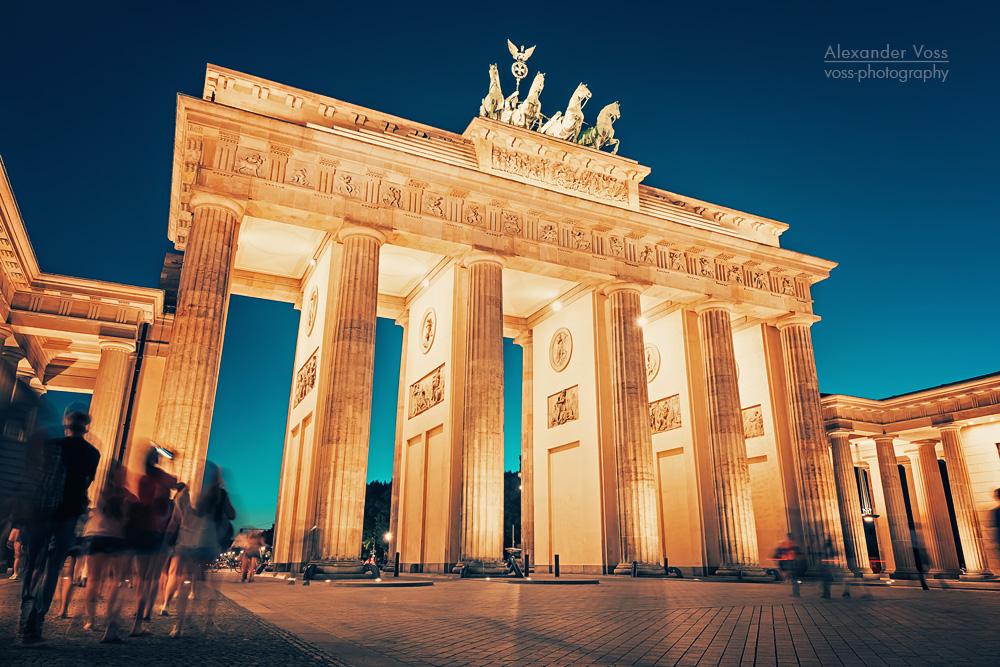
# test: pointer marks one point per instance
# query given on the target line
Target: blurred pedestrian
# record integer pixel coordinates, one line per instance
(198, 542)
(920, 559)
(827, 557)
(153, 517)
(251, 555)
(791, 562)
(16, 544)
(108, 550)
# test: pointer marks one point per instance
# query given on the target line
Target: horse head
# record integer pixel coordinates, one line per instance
(612, 111)
(580, 96)
(494, 74)
(536, 85)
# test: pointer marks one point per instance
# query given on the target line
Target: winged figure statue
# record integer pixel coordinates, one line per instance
(521, 55)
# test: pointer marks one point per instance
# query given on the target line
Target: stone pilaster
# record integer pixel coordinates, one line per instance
(637, 502)
(939, 537)
(969, 532)
(895, 508)
(349, 337)
(106, 404)
(855, 545)
(9, 359)
(527, 445)
(397, 456)
(191, 371)
(738, 548)
(813, 467)
(482, 434)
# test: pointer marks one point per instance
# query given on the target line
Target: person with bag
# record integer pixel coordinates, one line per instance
(202, 526)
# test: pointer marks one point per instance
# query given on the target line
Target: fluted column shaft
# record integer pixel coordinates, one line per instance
(944, 557)
(855, 545)
(527, 444)
(347, 404)
(969, 532)
(482, 434)
(191, 371)
(895, 507)
(106, 404)
(397, 456)
(737, 525)
(813, 467)
(637, 510)
(9, 359)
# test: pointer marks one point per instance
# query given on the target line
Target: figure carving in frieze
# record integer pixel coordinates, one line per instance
(492, 105)
(528, 113)
(473, 216)
(759, 280)
(300, 177)
(787, 286)
(567, 126)
(617, 247)
(677, 261)
(736, 275)
(602, 133)
(548, 233)
(647, 255)
(511, 223)
(252, 165)
(392, 197)
(706, 268)
(434, 205)
(346, 187)
(581, 240)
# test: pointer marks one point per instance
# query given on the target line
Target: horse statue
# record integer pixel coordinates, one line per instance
(568, 126)
(602, 133)
(528, 113)
(492, 105)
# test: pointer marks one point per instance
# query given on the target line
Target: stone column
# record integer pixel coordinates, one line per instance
(397, 455)
(813, 467)
(637, 502)
(9, 359)
(738, 548)
(106, 404)
(191, 370)
(527, 445)
(346, 407)
(482, 433)
(895, 508)
(969, 532)
(855, 545)
(940, 539)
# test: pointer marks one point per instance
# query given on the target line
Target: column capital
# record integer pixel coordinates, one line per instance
(622, 286)
(714, 304)
(796, 319)
(6, 331)
(953, 427)
(524, 338)
(884, 437)
(117, 344)
(350, 230)
(924, 443)
(209, 200)
(840, 433)
(478, 256)
(13, 352)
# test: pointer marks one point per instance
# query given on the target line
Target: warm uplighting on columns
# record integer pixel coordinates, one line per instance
(895, 508)
(969, 532)
(851, 519)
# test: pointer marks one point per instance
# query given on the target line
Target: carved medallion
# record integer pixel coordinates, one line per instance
(753, 422)
(311, 310)
(665, 414)
(652, 362)
(428, 327)
(427, 392)
(563, 407)
(560, 349)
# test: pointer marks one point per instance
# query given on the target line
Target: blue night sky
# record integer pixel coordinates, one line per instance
(726, 102)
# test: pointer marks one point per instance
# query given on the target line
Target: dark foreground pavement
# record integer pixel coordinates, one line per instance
(242, 639)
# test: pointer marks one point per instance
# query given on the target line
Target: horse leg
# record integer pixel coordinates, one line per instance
(615, 142)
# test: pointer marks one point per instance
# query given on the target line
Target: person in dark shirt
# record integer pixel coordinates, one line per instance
(79, 462)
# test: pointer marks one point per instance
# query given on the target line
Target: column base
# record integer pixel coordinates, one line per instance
(339, 567)
(644, 569)
(480, 568)
(905, 575)
(743, 573)
(978, 575)
(944, 574)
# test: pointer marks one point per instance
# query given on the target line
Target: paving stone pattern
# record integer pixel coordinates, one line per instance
(242, 639)
(633, 622)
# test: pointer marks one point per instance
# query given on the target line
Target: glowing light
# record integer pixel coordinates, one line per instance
(312, 262)
(387, 537)
(557, 306)
(487, 578)
(869, 519)
(520, 487)
(187, 582)
(425, 283)
(378, 580)
(969, 424)
(642, 321)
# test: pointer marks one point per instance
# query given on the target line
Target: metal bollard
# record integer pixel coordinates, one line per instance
(527, 564)
(557, 564)
(395, 568)
(666, 566)
(635, 569)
